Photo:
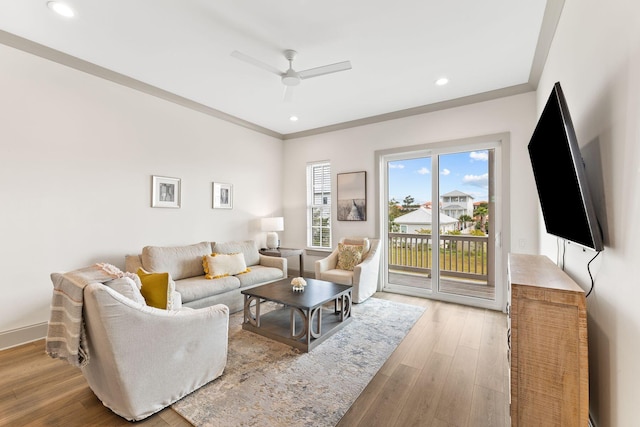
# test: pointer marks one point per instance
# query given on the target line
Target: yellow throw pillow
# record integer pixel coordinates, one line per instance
(349, 256)
(156, 288)
(221, 265)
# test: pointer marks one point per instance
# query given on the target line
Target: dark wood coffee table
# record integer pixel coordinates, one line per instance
(304, 321)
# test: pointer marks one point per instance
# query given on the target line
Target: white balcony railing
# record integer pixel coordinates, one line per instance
(461, 256)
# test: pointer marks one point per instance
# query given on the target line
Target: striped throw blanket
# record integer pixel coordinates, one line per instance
(66, 334)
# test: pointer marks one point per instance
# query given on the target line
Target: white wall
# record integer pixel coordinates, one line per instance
(354, 150)
(77, 155)
(596, 57)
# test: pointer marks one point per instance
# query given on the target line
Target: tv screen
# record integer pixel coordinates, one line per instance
(560, 177)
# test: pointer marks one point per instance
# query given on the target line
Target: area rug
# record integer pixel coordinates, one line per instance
(266, 383)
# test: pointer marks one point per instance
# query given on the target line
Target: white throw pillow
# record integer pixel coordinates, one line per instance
(127, 287)
(247, 247)
(221, 265)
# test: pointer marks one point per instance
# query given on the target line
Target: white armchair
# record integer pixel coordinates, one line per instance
(363, 278)
(143, 359)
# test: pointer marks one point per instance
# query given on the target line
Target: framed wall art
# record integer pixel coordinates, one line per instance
(222, 196)
(165, 192)
(352, 196)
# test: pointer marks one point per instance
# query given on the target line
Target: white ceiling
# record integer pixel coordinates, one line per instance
(397, 51)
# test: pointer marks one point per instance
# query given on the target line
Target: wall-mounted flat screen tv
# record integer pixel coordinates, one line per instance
(560, 177)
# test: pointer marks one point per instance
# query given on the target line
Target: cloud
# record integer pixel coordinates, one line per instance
(396, 166)
(477, 180)
(481, 156)
(423, 171)
(445, 172)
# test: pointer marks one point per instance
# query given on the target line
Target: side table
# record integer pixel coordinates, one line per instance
(284, 253)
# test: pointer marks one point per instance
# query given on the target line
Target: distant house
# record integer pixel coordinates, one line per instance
(457, 203)
(421, 219)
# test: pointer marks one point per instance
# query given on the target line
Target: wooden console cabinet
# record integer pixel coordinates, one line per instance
(548, 345)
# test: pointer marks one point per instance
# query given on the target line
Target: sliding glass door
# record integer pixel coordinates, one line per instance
(441, 219)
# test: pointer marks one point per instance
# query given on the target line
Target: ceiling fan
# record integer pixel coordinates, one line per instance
(291, 78)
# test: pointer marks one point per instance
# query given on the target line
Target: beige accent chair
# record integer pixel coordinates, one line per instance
(143, 359)
(363, 278)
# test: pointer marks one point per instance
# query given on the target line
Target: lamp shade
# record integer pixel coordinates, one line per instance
(272, 224)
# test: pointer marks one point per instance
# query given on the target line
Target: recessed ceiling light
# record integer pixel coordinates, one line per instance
(61, 9)
(293, 118)
(442, 81)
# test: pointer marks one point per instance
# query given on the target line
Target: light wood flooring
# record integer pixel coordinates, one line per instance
(450, 370)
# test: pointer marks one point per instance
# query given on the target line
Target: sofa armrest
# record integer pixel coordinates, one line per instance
(274, 262)
(328, 263)
(132, 263)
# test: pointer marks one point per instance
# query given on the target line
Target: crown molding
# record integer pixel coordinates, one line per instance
(62, 58)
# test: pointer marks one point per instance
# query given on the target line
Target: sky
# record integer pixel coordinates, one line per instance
(467, 172)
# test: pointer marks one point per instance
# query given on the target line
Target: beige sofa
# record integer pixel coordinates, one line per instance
(184, 263)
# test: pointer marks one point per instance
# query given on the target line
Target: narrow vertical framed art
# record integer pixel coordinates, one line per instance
(222, 196)
(352, 196)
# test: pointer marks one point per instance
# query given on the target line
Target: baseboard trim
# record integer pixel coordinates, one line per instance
(24, 335)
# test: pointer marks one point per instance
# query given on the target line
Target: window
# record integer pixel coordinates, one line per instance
(319, 205)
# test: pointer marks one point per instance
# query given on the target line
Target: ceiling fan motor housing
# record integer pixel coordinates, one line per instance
(291, 78)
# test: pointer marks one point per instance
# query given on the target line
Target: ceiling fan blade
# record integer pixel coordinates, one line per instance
(246, 58)
(288, 94)
(325, 69)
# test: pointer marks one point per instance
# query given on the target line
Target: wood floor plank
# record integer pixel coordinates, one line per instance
(450, 337)
(420, 407)
(421, 348)
(493, 356)
(364, 402)
(455, 403)
(487, 407)
(418, 343)
(472, 328)
(441, 312)
(389, 401)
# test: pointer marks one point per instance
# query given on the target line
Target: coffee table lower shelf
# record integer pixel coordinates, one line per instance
(277, 325)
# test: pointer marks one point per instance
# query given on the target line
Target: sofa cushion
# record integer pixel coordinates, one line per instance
(127, 287)
(179, 261)
(259, 274)
(247, 247)
(196, 288)
(349, 256)
(220, 265)
(157, 289)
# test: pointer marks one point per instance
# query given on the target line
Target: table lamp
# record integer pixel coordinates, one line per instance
(271, 225)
